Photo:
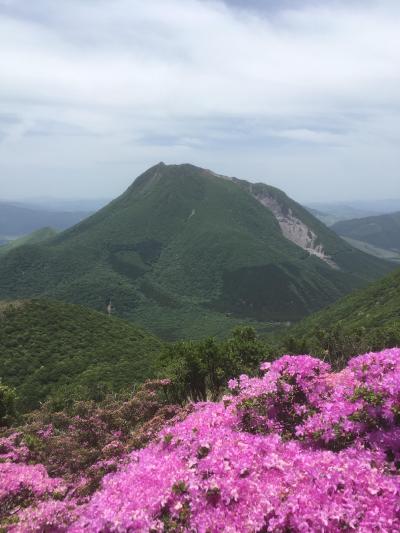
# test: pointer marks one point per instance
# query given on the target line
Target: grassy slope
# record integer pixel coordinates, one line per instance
(47, 345)
(382, 231)
(186, 253)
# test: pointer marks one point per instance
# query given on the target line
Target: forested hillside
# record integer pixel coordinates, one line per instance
(367, 319)
(66, 351)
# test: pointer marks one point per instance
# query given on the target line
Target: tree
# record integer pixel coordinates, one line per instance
(245, 350)
(200, 370)
(8, 399)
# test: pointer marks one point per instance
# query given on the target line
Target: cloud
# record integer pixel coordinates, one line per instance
(96, 82)
(310, 136)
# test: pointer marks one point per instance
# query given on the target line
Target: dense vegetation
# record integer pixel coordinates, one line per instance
(189, 254)
(299, 449)
(82, 430)
(382, 231)
(61, 353)
(8, 402)
(368, 319)
(17, 219)
(64, 351)
(295, 447)
(200, 370)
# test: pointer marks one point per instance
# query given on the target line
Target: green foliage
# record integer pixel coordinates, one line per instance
(63, 351)
(187, 254)
(200, 370)
(8, 400)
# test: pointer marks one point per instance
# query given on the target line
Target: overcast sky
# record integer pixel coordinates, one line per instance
(304, 95)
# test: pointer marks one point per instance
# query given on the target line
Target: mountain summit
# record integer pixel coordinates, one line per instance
(185, 251)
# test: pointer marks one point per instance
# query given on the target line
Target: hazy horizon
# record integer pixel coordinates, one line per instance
(104, 200)
(299, 94)
(37, 198)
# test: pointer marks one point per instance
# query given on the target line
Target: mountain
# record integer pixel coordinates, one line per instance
(49, 203)
(327, 219)
(382, 253)
(330, 213)
(17, 220)
(48, 347)
(38, 236)
(188, 253)
(377, 234)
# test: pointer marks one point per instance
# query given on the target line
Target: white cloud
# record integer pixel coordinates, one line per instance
(136, 82)
(310, 136)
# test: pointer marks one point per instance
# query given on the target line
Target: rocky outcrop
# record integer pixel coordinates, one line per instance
(295, 230)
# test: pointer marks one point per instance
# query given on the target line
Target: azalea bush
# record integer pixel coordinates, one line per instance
(75, 448)
(299, 448)
(71, 441)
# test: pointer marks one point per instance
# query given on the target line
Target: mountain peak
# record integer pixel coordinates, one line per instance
(174, 172)
(187, 253)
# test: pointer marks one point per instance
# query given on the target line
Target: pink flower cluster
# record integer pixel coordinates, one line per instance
(13, 450)
(22, 483)
(299, 449)
(299, 397)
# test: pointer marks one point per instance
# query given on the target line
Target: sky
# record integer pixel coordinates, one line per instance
(300, 94)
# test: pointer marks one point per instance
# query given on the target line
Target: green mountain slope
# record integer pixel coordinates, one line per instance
(366, 320)
(372, 307)
(48, 346)
(381, 231)
(186, 252)
(38, 236)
